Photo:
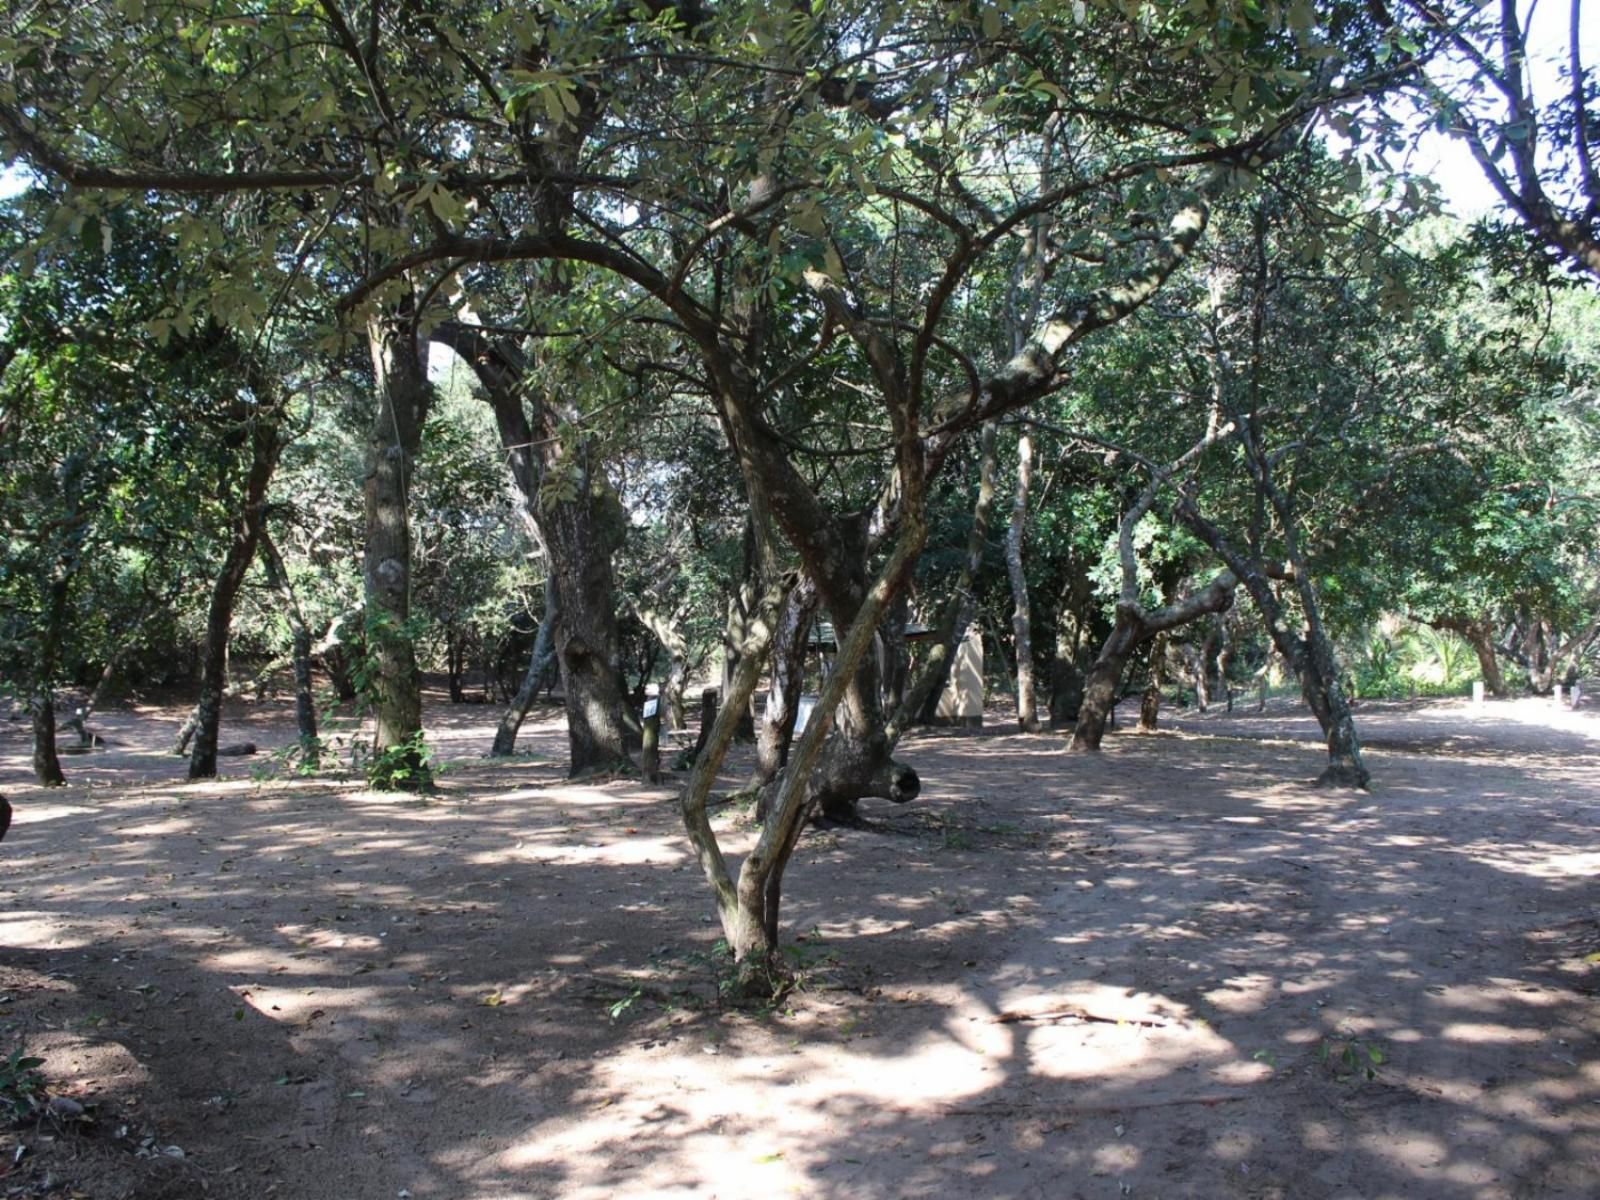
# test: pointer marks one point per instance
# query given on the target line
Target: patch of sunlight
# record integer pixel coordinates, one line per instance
(762, 1120)
(34, 813)
(1243, 993)
(1535, 861)
(1410, 1151)
(626, 851)
(1483, 1031)
(37, 931)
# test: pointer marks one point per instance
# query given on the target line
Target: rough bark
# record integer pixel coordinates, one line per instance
(46, 763)
(1150, 702)
(582, 535)
(921, 701)
(539, 664)
(786, 682)
(1021, 614)
(394, 687)
(42, 704)
(580, 526)
(1309, 656)
(1480, 636)
(1132, 629)
(243, 540)
(305, 701)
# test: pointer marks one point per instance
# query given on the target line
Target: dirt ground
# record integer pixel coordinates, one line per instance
(1163, 971)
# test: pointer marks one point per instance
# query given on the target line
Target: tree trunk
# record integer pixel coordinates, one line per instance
(42, 706)
(582, 535)
(921, 701)
(455, 658)
(305, 701)
(579, 530)
(858, 761)
(1480, 637)
(672, 714)
(1311, 658)
(787, 681)
(892, 639)
(336, 661)
(1225, 664)
(1103, 685)
(544, 653)
(46, 763)
(1150, 702)
(242, 543)
(1202, 675)
(1021, 617)
(394, 686)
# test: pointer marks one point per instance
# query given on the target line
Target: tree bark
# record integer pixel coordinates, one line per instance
(1480, 637)
(580, 525)
(791, 640)
(582, 535)
(1102, 685)
(892, 640)
(42, 705)
(1133, 628)
(394, 686)
(921, 701)
(539, 663)
(1310, 657)
(305, 701)
(1021, 614)
(1150, 702)
(46, 762)
(242, 543)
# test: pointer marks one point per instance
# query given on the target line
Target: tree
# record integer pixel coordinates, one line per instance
(1478, 77)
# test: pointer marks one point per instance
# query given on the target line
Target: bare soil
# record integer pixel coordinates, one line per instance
(1162, 971)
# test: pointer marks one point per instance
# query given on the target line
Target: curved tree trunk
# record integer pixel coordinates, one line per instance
(1311, 657)
(539, 663)
(1102, 686)
(1478, 635)
(1133, 628)
(242, 543)
(791, 639)
(580, 530)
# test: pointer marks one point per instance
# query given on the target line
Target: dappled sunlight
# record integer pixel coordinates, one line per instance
(1163, 967)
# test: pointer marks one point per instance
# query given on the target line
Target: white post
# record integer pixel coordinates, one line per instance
(1477, 693)
(1559, 695)
(1577, 696)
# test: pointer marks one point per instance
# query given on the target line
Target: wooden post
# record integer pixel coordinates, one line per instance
(708, 717)
(650, 757)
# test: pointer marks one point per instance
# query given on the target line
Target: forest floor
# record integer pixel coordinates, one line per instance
(1162, 971)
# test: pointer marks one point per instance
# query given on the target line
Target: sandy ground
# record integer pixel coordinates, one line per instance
(1146, 973)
